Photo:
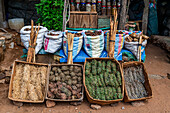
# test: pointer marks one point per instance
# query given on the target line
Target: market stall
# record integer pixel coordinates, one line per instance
(95, 58)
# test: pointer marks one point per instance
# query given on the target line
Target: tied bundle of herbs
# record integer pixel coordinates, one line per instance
(51, 13)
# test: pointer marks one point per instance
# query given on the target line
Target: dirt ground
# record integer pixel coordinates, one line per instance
(156, 64)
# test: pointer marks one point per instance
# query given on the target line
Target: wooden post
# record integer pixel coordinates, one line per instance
(145, 16)
(2, 12)
(122, 18)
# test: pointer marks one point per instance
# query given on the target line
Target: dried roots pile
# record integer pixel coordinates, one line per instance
(134, 82)
(29, 82)
(65, 82)
(103, 80)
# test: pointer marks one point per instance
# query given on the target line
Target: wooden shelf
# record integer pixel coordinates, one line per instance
(83, 12)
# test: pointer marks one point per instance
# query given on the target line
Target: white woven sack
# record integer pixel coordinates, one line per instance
(25, 37)
(77, 44)
(53, 43)
(94, 45)
(133, 47)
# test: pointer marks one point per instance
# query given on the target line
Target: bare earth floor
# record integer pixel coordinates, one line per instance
(156, 64)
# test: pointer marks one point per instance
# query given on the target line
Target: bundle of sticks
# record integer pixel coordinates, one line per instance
(32, 42)
(70, 38)
(113, 29)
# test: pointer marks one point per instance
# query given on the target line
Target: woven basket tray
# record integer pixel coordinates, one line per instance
(146, 84)
(103, 102)
(12, 78)
(47, 88)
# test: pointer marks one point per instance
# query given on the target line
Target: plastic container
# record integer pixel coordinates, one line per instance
(16, 23)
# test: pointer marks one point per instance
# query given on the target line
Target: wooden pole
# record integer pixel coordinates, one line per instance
(122, 19)
(2, 12)
(145, 17)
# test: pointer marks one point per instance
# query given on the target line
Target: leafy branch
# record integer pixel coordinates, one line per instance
(51, 13)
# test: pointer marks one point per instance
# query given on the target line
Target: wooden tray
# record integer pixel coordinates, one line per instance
(12, 78)
(146, 84)
(103, 102)
(81, 99)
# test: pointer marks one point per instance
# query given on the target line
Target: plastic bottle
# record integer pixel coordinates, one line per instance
(113, 6)
(83, 5)
(103, 7)
(118, 7)
(88, 7)
(99, 6)
(77, 5)
(72, 7)
(108, 7)
(93, 9)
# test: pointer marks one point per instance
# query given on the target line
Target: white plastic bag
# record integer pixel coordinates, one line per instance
(133, 47)
(25, 37)
(52, 43)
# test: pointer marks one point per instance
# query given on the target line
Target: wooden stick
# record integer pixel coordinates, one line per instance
(113, 26)
(139, 49)
(35, 41)
(30, 42)
(70, 38)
